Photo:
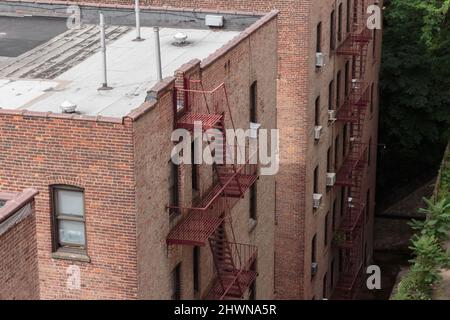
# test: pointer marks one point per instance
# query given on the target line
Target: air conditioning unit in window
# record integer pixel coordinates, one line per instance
(351, 203)
(320, 59)
(355, 84)
(317, 200)
(332, 115)
(331, 179)
(314, 268)
(317, 132)
(254, 130)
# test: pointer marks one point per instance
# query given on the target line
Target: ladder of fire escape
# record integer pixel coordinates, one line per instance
(354, 111)
(232, 275)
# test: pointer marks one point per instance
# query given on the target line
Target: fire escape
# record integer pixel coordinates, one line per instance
(350, 235)
(209, 220)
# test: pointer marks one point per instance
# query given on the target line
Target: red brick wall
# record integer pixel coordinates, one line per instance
(253, 57)
(19, 278)
(298, 85)
(38, 151)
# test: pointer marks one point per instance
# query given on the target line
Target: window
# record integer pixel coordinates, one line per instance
(319, 37)
(325, 286)
(329, 164)
(316, 179)
(173, 187)
(253, 102)
(314, 249)
(346, 80)
(353, 67)
(342, 200)
(333, 218)
(69, 230)
(336, 152)
(196, 268)
(253, 202)
(331, 95)
(325, 233)
(332, 274)
(317, 112)
(176, 283)
(344, 142)
(372, 97)
(195, 182)
(341, 260)
(340, 23)
(349, 13)
(366, 255)
(367, 204)
(332, 31)
(374, 44)
(338, 90)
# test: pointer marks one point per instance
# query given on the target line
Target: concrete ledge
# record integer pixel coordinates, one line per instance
(14, 204)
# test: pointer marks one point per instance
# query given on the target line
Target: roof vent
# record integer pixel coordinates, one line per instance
(180, 39)
(68, 107)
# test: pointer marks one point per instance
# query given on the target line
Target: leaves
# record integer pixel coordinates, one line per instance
(428, 251)
(415, 88)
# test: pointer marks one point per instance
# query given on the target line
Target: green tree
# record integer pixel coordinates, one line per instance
(415, 89)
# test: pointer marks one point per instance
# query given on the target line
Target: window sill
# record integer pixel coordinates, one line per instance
(72, 256)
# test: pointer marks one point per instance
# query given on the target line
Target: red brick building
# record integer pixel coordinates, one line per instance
(115, 218)
(346, 85)
(327, 114)
(19, 278)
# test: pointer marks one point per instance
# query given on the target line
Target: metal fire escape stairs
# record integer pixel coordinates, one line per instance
(351, 173)
(205, 221)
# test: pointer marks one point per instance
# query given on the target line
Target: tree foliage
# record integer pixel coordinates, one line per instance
(415, 88)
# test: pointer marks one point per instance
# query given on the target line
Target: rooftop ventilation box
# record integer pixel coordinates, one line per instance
(214, 21)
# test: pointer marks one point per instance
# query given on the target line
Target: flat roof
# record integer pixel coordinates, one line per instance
(18, 36)
(43, 78)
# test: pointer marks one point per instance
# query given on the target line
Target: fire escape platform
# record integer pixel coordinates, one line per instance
(244, 279)
(233, 189)
(208, 121)
(346, 114)
(354, 43)
(198, 224)
(345, 288)
(195, 229)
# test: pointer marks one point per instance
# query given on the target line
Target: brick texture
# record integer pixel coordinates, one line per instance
(19, 278)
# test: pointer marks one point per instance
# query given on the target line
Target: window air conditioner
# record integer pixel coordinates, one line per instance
(331, 179)
(314, 268)
(317, 132)
(320, 59)
(331, 115)
(317, 199)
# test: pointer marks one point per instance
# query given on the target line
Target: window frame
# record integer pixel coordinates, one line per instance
(332, 31)
(319, 37)
(196, 265)
(253, 212)
(176, 282)
(254, 102)
(317, 112)
(174, 196)
(57, 245)
(339, 27)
